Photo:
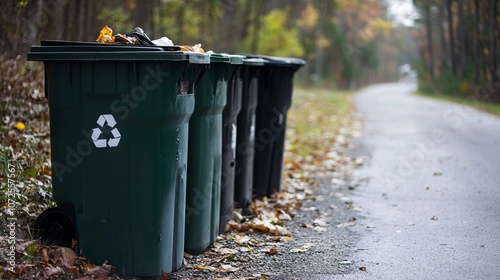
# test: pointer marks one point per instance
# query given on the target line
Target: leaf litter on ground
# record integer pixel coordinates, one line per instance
(310, 153)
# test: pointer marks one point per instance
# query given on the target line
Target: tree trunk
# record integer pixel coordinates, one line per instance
(142, 16)
(231, 16)
(247, 19)
(445, 58)
(452, 37)
(477, 54)
(462, 58)
(180, 23)
(259, 9)
(493, 50)
(318, 34)
(428, 29)
(93, 29)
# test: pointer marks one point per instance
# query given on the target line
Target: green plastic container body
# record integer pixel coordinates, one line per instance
(119, 134)
(243, 181)
(204, 158)
(229, 131)
(275, 90)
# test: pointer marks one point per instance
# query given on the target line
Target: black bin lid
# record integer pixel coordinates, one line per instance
(116, 47)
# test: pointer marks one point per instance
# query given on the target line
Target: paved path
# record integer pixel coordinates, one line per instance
(430, 191)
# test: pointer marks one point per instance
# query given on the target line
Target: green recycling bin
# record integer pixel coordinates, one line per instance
(243, 181)
(229, 130)
(274, 99)
(204, 157)
(119, 132)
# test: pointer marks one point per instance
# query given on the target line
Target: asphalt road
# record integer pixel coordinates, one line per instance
(430, 190)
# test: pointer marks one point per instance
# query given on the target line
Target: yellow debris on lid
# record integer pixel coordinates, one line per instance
(106, 35)
(196, 48)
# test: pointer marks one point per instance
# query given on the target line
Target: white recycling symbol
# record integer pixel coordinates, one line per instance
(96, 132)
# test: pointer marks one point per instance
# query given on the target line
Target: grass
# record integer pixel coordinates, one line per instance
(484, 106)
(317, 114)
(25, 149)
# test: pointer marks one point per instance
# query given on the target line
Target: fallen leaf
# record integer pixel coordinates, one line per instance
(343, 225)
(87, 266)
(231, 225)
(318, 198)
(284, 216)
(30, 172)
(50, 271)
(301, 196)
(359, 161)
(217, 245)
(46, 170)
(20, 126)
(244, 227)
(211, 268)
(320, 229)
(230, 258)
(241, 239)
(72, 270)
(333, 207)
(320, 222)
(99, 271)
(86, 277)
(280, 231)
(225, 251)
(31, 249)
(272, 252)
(299, 250)
(337, 181)
(63, 257)
(260, 227)
(238, 217)
(45, 255)
(228, 268)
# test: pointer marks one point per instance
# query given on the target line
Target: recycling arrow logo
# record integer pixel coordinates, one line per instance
(108, 120)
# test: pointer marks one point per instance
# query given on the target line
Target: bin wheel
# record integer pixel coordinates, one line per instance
(56, 226)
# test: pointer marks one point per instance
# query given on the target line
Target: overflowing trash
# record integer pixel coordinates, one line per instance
(195, 48)
(139, 37)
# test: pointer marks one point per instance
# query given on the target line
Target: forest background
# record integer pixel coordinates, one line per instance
(453, 44)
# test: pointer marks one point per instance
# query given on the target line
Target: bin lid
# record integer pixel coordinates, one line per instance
(236, 58)
(253, 61)
(101, 48)
(279, 61)
(100, 45)
(98, 52)
(220, 57)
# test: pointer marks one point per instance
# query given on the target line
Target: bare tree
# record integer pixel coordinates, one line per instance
(451, 36)
(428, 29)
(493, 7)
